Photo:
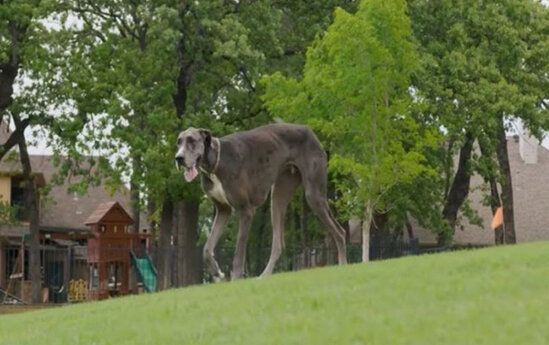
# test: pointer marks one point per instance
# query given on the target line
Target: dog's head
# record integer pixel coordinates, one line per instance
(192, 146)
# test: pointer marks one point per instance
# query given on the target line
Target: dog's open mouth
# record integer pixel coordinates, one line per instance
(190, 173)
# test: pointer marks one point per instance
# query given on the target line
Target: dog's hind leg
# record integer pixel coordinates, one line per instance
(222, 215)
(320, 207)
(281, 194)
(314, 183)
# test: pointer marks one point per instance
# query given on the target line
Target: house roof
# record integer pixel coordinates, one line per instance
(104, 209)
(61, 208)
(11, 165)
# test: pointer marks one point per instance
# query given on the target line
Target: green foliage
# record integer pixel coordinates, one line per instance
(8, 214)
(355, 92)
(483, 65)
(481, 59)
(119, 78)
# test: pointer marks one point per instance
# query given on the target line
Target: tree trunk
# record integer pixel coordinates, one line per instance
(152, 224)
(409, 228)
(448, 167)
(189, 232)
(495, 201)
(458, 191)
(135, 197)
(135, 213)
(153, 228)
(164, 250)
(8, 72)
(34, 223)
(506, 187)
(366, 224)
(494, 204)
(134, 204)
(191, 267)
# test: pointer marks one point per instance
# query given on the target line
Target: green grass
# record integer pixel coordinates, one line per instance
(488, 296)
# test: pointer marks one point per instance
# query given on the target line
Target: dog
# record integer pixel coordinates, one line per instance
(239, 170)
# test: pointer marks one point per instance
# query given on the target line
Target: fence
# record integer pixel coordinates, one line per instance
(78, 273)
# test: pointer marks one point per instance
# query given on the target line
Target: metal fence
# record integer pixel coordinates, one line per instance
(79, 273)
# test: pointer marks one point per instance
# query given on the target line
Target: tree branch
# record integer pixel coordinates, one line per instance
(242, 119)
(244, 72)
(14, 137)
(86, 20)
(123, 27)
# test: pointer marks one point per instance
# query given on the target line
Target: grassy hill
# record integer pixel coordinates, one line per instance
(489, 296)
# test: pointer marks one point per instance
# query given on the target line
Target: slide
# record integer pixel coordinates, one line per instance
(146, 271)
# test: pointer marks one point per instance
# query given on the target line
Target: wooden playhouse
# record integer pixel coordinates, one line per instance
(109, 251)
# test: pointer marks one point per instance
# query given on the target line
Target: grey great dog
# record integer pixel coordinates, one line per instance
(239, 170)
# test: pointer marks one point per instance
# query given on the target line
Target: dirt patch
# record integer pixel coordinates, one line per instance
(12, 309)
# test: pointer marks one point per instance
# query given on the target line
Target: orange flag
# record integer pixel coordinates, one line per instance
(497, 221)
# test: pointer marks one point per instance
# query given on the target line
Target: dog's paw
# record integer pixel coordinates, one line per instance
(220, 277)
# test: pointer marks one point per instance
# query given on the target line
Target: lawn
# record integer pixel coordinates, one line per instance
(489, 296)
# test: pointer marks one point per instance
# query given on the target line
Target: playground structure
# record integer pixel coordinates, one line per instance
(104, 261)
(146, 271)
(111, 251)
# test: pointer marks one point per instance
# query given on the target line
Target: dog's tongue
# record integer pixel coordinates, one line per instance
(191, 173)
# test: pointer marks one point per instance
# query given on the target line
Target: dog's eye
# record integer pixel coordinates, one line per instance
(178, 141)
(190, 141)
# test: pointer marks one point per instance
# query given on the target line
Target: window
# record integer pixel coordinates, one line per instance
(18, 198)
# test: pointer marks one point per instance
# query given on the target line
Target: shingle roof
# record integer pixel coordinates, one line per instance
(59, 208)
(102, 210)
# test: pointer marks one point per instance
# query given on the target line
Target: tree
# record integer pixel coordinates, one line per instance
(355, 92)
(20, 54)
(482, 65)
(30, 94)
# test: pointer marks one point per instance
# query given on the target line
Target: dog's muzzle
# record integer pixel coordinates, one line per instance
(179, 162)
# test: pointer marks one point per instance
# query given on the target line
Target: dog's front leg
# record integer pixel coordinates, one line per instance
(244, 219)
(222, 215)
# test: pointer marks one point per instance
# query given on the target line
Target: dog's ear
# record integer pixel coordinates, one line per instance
(206, 136)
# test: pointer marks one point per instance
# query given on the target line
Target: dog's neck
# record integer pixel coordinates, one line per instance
(211, 162)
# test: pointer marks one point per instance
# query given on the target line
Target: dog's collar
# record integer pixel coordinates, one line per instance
(217, 159)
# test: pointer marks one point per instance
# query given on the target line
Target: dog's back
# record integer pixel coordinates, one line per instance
(296, 138)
